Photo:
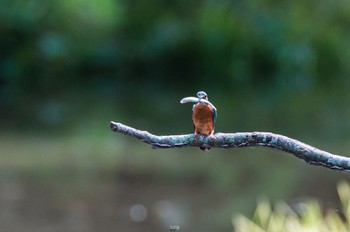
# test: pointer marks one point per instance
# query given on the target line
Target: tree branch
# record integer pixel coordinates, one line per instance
(301, 150)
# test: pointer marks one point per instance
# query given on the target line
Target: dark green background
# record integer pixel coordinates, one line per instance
(69, 67)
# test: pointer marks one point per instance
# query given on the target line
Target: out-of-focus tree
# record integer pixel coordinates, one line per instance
(282, 57)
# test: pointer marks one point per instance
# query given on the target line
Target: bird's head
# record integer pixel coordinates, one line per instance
(202, 95)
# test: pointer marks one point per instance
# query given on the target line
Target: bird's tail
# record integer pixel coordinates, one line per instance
(205, 147)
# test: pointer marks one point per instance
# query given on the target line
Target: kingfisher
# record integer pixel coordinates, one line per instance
(204, 114)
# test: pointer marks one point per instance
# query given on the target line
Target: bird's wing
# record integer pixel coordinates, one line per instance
(208, 103)
(214, 115)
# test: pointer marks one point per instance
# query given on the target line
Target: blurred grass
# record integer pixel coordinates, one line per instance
(304, 216)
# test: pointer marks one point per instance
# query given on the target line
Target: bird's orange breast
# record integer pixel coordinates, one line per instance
(203, 119)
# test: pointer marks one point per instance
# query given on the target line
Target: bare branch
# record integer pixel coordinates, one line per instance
(301, 150)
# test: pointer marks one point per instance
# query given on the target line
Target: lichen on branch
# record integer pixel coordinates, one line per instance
(301, 150)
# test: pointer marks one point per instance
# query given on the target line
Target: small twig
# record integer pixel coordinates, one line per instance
(301, 150)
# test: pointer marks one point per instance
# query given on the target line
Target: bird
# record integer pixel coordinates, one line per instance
(203, 115)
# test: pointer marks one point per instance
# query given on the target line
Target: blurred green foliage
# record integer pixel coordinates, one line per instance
(267, 59)
(307, 216)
